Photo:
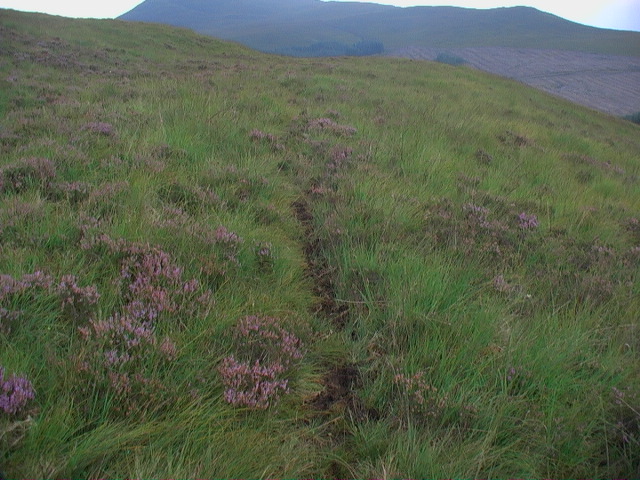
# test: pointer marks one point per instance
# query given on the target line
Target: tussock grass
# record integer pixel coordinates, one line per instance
(458, 254)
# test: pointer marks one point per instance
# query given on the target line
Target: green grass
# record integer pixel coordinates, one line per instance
(441, 337)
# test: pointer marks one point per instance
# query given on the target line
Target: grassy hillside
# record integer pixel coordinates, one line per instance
(217, 263)
(301, 27)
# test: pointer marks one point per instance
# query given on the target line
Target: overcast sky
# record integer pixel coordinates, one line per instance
(618, 14)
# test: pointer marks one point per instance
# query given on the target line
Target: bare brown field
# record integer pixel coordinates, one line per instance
(608, 83)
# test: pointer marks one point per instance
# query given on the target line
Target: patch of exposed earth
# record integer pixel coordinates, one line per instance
(609, 83)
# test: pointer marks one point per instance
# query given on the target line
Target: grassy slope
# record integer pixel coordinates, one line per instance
(519, 337)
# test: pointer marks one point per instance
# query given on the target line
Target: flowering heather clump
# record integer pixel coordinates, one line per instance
(265, 336)
(266, 352)
(101, 128)
(19, 213)
(73, 192)
(76, 301)
(517, 380)
(339, 155)
(122, 354)
(329, 125)
(422, 397)
(29, 172)
(228, 244)
(598, 289)
(318, 190)
(633, 227)
(150, 281)
(9, 285)
(253, 386)
(626, 421)
(146, 270)
(15, 393)
(477, 214)
(501, 285)
(527, 222)
(224, 235)
(264, 254)
(102, 200)
(603, 251)
(586, 160)
(119, 336)
(116, 355)
(631, 258)
(260, 135)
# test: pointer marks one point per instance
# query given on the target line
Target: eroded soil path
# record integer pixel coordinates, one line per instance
(338, 404)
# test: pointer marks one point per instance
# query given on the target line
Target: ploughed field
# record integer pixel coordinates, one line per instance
(609, 83)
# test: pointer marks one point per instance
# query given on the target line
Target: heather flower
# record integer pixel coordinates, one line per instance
(117, 351)
(476, 210)
(7, 317)
(76, 300)
(101, 128)
(477, 214)
(259, 135)
(9, 285)
(168, 348)
(517, 379)
(264, 254)
(224, 235)
(253, 386)
(26, 173)
(422, 397)
(191, 286)
(15, 393)
(527, 222)
(73, 192)
(150, 281)
(618, 396)
(632, 257)
(267, 351)
(264, 335)
(331, 126)
(501, 285)
(108, 191)
(319, 190)
(18, 212)
(603, 250)
(339, 155)
(37, 279)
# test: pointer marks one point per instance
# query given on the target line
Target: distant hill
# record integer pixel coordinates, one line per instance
(316, 28)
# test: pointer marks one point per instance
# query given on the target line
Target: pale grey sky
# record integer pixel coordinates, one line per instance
(618, 14)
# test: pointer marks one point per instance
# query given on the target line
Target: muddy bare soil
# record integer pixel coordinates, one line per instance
(608, 83)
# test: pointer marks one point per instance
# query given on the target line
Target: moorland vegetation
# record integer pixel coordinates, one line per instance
(218, 263)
